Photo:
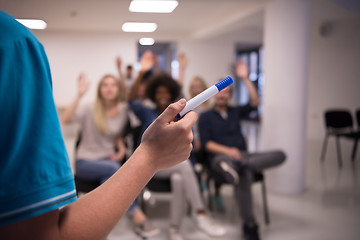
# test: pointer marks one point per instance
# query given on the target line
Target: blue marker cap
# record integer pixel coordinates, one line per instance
(224, 83)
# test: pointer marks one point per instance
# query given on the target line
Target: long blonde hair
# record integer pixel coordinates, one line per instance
(203, 86)
(99, 105)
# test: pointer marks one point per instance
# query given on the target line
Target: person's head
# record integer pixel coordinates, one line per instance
(197, 85)
(162, 90)
(129, 70)
(223, 97)
(109, 90)
(109, 93)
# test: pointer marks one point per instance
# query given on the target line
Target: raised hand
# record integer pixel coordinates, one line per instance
(242, 70)
(83, 84)
(147, 60)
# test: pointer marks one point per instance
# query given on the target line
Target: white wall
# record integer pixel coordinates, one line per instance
(334, 78)
(92, 53)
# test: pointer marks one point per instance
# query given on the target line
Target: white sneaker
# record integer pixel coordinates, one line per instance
(230, 175)
(174, 234)
(147, 230)
(208, 225)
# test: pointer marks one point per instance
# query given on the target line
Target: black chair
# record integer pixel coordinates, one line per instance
(356, 135)
(154, 185)
(339, 123)
(258, 177)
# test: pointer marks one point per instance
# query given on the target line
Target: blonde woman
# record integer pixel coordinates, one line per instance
(102, 126)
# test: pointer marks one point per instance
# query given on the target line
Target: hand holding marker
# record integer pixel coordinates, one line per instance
(205, 95)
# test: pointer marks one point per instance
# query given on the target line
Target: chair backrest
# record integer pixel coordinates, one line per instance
(338, 121)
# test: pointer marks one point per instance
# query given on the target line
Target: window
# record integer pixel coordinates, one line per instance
(253, 57)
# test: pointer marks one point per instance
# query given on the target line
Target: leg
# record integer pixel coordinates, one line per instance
(243, 194)
(263, 160)
(191, 186)
(99, 170)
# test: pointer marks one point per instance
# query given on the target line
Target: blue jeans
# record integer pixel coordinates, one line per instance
(100, 170)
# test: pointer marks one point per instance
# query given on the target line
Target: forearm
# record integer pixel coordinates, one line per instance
(107, 203)
(216, 148)
(134, 89)
(253, 94)
(70, 111)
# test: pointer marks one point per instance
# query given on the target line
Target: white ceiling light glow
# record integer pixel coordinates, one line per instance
(146, 41)
(33, 23)
(150, 6)
(139, 27)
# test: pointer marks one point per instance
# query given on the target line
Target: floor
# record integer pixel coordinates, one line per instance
(328, 209)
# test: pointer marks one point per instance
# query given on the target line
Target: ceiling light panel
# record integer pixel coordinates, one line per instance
(139, 27)
(150, 6)
(146, 41)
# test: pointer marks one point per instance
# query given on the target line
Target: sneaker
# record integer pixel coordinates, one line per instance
(208, 225)
(174, 234)
(147, 230)
(250, 231)
(229, 174)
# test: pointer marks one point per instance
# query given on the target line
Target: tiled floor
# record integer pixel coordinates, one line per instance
(328, 209)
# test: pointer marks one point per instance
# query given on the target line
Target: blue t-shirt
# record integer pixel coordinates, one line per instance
(35, 173)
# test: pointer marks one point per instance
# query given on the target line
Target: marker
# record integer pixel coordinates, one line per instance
(205, 95)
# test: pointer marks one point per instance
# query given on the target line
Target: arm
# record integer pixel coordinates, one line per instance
(242, 72)
(106, 204)
(183, 61)
(121, 76)
(83, 85)
(216, 148)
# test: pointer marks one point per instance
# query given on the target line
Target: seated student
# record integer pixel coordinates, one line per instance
(37, 194)
(102, 127)
(163, 90)
(221, 136)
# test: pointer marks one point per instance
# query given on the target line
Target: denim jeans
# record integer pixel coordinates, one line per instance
(100, 170)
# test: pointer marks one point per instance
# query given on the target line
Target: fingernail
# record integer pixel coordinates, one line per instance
(182, 102)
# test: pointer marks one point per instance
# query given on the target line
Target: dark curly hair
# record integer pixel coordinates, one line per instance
(165, 80)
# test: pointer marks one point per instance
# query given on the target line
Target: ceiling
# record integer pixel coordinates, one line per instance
(191, 19)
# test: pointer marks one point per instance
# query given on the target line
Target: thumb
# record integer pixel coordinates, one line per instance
(172, 110)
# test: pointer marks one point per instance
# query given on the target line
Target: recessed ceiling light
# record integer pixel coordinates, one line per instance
(151, 6)
(146, 41)
(139, 27)
(33, 23)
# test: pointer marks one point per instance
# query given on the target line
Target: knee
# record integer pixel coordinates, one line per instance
(280, 156)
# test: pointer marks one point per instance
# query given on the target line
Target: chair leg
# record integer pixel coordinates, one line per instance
(354, 149)
(209, 195)
(266, 208)
(338, 151)
(324, 148)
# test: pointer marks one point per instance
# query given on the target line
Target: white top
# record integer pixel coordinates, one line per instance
(94, 145)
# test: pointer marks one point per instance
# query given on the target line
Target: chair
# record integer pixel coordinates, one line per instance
(154, 185)
(257, 177)
(339, 123)
(356, 134)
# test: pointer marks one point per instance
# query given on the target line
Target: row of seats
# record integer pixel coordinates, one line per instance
(339, 123)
